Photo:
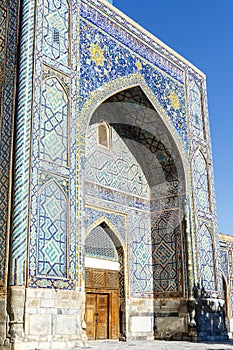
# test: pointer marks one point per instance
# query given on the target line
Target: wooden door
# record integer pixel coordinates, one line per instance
(97, 319)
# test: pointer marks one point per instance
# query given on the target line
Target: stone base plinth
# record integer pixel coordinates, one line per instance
(50, 319)
(140, 320)
(171, 319)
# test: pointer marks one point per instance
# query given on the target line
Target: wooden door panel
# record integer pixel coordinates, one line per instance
(102, 311)
(114, 315)
(90, 315)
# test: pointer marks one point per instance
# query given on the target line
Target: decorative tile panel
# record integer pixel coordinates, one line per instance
(167, 255)
(141, 276)
(54, 99)
(195, 106)
(52, 239)
(54, 122)
(201, 182)
(206, 259)
(56, 30)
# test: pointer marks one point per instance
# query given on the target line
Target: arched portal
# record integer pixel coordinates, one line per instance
(134, 176)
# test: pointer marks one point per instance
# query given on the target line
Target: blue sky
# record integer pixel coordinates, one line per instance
(202, 32)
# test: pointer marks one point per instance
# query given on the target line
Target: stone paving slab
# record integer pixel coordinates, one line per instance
(157, 345)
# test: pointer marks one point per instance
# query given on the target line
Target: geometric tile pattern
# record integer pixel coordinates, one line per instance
(195, 106)
(56, 30)
(205, 259)
(140, 256)
(54, 122)
(167, 256)
(52, 239)
(201, 182)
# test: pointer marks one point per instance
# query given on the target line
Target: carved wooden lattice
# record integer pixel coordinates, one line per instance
(104, 279)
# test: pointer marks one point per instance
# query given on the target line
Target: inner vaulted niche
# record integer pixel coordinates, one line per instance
(137, 184)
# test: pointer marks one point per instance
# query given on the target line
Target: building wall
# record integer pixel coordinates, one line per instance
(73, 56)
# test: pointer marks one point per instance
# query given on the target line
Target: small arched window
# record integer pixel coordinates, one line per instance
(104, 135)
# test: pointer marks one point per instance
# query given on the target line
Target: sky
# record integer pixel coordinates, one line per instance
(202, 32)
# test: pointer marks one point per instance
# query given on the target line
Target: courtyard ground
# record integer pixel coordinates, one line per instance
(157, 345)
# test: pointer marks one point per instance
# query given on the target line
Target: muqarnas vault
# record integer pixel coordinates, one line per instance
(108, 217)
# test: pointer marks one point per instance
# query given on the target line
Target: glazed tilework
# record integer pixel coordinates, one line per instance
(93, 217)
(54, 122)
(52, 239)
(22, 155)
(195, 106)
(201, 182)
(102, 60)
(202, 174)
(54, 267)
(114, 168)
(206, 258)
(56, 30)
(3, 26)
(79, 63)
(130, 37)
(141, 276)
(8, 39)
(167, 252)
(58, 172)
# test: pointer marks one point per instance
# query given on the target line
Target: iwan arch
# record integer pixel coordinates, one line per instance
(111, 232)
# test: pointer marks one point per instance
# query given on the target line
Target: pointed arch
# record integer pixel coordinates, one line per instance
(113, 87)
(54, 122)
(105, 243)
(105, 221)
(52, 240)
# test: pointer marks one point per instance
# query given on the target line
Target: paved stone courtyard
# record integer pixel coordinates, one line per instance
(157, 345)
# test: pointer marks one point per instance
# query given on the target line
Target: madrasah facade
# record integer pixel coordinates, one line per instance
(108, 214)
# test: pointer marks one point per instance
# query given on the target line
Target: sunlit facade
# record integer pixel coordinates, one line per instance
(108, 225)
